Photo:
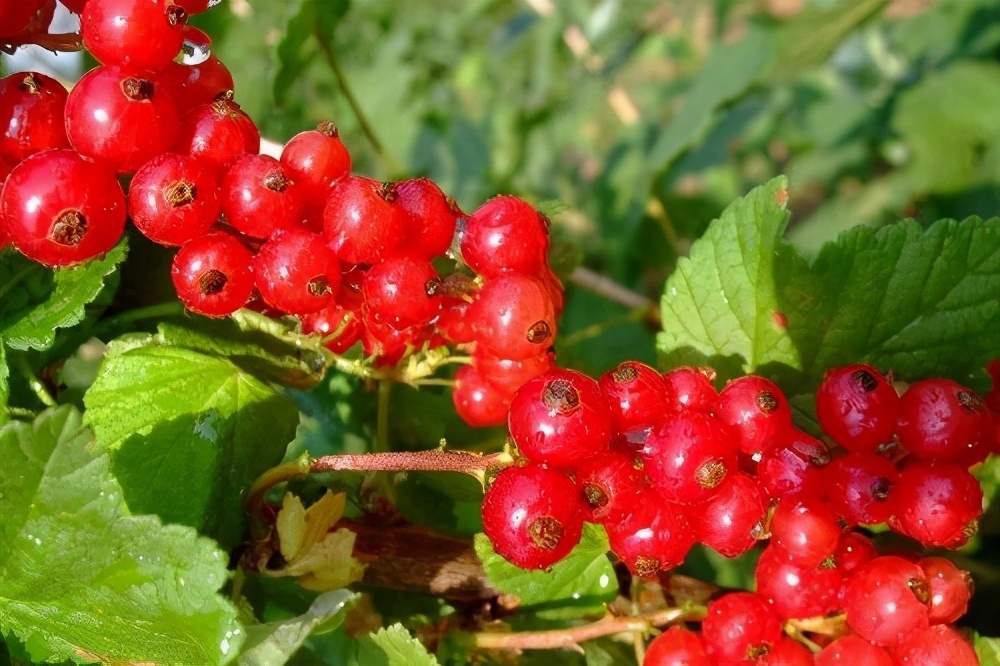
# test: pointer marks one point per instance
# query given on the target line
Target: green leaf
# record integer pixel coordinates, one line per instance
(585, 576)
(988, 650)
(919, 302)
(274, 643)
(37, 300)
(308, 19)
(84, 580)
(4, 385)
(393, 646)
(187, 432)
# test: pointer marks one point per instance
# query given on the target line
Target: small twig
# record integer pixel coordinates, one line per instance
(415, 461)
(36, 385)
(70, 41)
(382, 416)
(157, 311)
(571, 636)
(607, 288)
(834, 626)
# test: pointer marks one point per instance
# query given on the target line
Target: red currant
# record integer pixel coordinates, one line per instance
(361, 220)
(794, 591)
(218, 133)
(951, 589)
(938, 504)
(676, 647)
(740, 627)
(635, 393)
(853, 550)
(505, 235)
(806, 530)
(610, 483)
(653, 535)
(942, 420)
(857, 407)
(689, 389)
(315, 159)
(32, 115)
(887, 599)
(399, 292)
(508, 374)
(173, 198)
(513, 317)
(793, 467)
(295, 272)
(758, 411)
(939, 645)
(731, 520)
(854, 651)
(257, 197)
(212, 275)
(339, 324)
(688, 456)
(478, 402)
(197, 84)
(859, 487)
(430, 217)
(141, 34)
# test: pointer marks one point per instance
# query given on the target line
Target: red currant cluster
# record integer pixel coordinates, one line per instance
(663, 462)
(302, 235)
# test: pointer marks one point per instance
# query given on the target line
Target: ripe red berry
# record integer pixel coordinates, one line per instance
(504, 235)
(513, 317)
(388, 345)
(939, 645)
(339, 324)
(731, 520)
(16, 17)
(938, 504)
(173, 198)
(218, 133)
(61, 208)
(951, 589)
(361, 220)
(793, 466)
(400, 291)
(560, 418)
(199, 83)
(258, 198)
(315, 159)
(652, 536)
(887, 599)
(609, 484)
(635, 394)
(853, 650)
(121, 118)
(532, 515)
(794, 591)
(858, 487)
(689, 388)
(478, 402)
(857, 407)
(140, 34)
(806, 530)
(295, 272)
(787, 652)
(508, 374)
(688, 455)
(430, 216)
(740, 627)
(853, 550)
(32, 115)
(676, 647)
(757, 410)
(212, 275)
(942, 420)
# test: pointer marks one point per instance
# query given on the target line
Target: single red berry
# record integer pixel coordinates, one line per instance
(338, 323)
(388, 345)
(123, 119)
(938, 645)
(513, 317)
(851, 650)
(504, 235)
(478, 402)
(806, 530)
(212, 275)
(676, 647)
(532, 515)
(731, 520)
(887, 599)
(609, 484)
(401, 291)
(199, 83)
(688, 455)
(295, 272)
(32, 115)
(942, 420)
(173, 198)
(140, 34)
(61, 208)
(951, 589)
(853, 550)
(453, 321)
(794, 591)
(361, 220)
(689, 388)
(740, 627)
(787, 652)
(758, 411)
(652, 536)
(16, 17)
(218, 133)
(258, 198)
(635, 393)
(560, 418)
(857, 407)
(196, 6)
(793, 466)
(938, 504)
(858, 487)
(430, 216)
(316, 159)
(508, 374)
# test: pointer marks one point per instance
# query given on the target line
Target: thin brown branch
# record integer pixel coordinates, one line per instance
(416, 461)
(616, 293)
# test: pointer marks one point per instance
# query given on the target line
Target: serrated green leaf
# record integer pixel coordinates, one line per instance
(274, 643)
(584, 577)
(918, 302)
(307, 19)
(36, 300)
(988, 650)
(393, 646)
(187, 433)
(81, 578)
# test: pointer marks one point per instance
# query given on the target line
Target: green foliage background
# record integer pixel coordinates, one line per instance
(633, 123)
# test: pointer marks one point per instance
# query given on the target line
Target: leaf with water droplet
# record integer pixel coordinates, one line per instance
(84, 580)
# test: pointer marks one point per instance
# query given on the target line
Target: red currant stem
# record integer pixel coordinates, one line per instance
(432, 381)
(614, 292)
(36, 385)
(799, 636)
(659, 213)
(366, 127)
(463, 462)
(594, 330)
(278, 474)
(20, 413)
(382, 422)
(834, 626)
(563, 638)
(69, 41)
(16, 279)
